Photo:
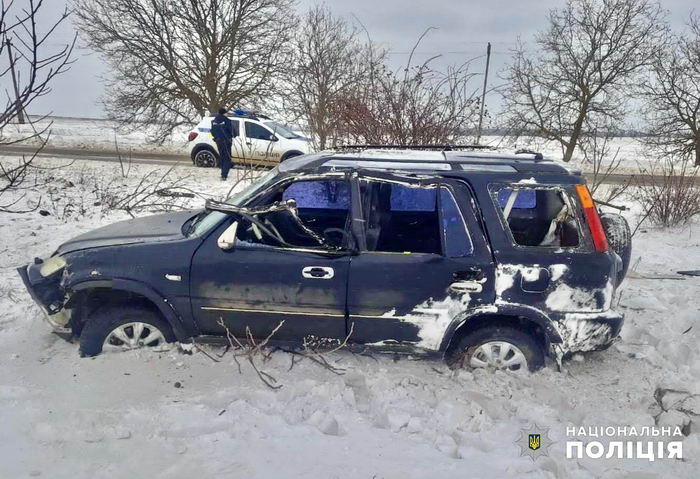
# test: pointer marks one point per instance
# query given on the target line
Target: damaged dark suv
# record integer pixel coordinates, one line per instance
(483, 258)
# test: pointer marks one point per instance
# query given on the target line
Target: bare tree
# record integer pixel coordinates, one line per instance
(668, 193)
(330, 60)
(29, 62)
(673, 96)
(603, 160)
(417, 105)
(587, 58)
(174, 61)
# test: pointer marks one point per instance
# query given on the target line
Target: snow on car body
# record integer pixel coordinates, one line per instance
(256, 140)
(481, 257)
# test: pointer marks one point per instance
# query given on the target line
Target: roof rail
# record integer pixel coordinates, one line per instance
(414, 147)
(524, 151)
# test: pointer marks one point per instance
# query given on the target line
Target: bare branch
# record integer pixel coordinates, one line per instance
(174, 61)
(591, 51)
(29, 64)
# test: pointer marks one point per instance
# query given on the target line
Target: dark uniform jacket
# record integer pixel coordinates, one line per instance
(222, 129)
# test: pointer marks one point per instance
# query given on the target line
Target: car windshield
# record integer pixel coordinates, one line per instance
(205, 221)
(281, 130)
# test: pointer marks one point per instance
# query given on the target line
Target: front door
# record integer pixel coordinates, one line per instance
(426, 262)
(260, 284)
(259, 143)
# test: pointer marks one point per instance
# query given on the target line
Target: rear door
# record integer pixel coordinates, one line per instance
(545, 251)
(426, 262)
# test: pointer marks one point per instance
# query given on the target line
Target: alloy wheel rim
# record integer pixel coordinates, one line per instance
(205, 158)
(134, 336)
(498, 355)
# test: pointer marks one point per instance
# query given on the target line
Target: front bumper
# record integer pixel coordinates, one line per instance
(46, 293)
(582, 332)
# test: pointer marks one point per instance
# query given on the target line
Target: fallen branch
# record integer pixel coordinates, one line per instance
(250, 351)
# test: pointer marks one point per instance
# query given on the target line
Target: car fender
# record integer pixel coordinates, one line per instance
(166, 308)
(527, 313)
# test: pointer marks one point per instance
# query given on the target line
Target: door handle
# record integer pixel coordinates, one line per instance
(471, 274)
(466, 287)
(317, 272)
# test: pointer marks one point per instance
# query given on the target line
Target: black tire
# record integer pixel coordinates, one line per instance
(205, 157)
(619, 237)
(460, 355)
(103, 321)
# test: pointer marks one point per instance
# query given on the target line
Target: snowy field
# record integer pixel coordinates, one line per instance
(94, 134)
(171, 415)
(90, 134)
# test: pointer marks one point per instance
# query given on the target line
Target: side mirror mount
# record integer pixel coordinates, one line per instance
(227, 240)
(273, 138)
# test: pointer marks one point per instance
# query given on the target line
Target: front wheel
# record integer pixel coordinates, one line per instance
(124, 328)
(497, 347)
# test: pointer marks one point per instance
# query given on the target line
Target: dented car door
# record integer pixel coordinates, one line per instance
(570, 277)
(299, 279)
(426, 262)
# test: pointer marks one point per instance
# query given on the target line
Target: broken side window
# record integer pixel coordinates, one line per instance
(458, 243)
(320, 215)
(538, 216)
(401, 218)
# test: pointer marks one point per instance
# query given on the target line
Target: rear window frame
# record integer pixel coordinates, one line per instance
(584, 244)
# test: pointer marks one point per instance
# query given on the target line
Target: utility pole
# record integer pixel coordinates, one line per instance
(18, 102)
(483, 93)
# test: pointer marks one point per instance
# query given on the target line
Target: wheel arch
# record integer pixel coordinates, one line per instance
(529, 320)
(203, 146)
(131, 289)
(290, 154)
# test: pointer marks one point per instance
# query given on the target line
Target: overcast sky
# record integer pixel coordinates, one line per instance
(463, 29)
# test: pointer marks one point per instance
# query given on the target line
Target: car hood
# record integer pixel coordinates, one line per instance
(163, 227)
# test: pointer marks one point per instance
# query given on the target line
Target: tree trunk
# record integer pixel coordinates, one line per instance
(575, 133)
(569, 151)
(696, 147)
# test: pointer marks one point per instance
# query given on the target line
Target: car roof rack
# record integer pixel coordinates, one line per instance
(414, 147)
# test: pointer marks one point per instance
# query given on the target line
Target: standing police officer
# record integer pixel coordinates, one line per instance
(222, 131)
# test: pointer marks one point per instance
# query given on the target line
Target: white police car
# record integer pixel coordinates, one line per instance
(258, 140)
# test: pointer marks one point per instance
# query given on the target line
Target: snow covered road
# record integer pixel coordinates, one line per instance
(122, 415)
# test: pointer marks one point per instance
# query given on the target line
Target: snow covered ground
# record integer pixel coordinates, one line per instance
(94, 134)
(170, 415)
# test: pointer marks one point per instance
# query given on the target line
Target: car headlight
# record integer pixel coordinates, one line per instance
(52, 265)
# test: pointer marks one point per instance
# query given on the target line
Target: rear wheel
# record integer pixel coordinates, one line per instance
(124, 328)
(206, 158)
(497, 347)
(617, 230)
